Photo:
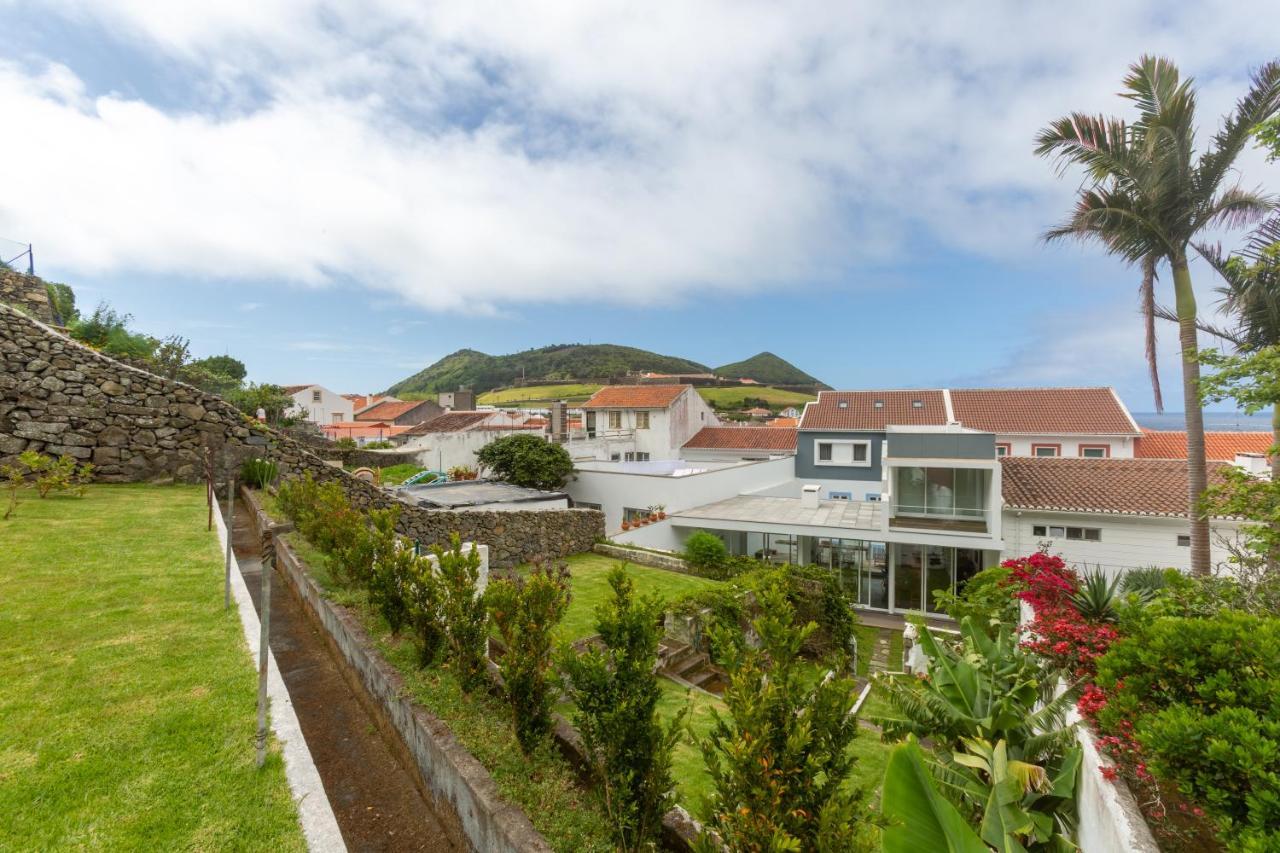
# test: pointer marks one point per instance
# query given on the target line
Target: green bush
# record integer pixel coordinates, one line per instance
(346, 443)
(258, 472)
(706, 553)
(375, 556)
(1203, 698)
(378, 445)
(986, 598)
(423, 598)
(525, 610)
(527, 460)
(616, 693)
(465, 618)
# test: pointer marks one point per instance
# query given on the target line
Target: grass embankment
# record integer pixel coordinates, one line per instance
(569, 392)
(735, 397)
(543, 785)
(539, 396)
(127, 696)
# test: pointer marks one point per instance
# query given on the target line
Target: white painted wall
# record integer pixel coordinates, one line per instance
(323, 411)
(1121, 446)
(615, 489)
(668, 428)
(1128, 541)
(441, 451)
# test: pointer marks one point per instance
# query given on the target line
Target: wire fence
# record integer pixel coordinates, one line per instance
(17, 256)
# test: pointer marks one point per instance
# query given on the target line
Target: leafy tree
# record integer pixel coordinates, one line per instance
(1255, 556)
(465, 618)
(705, 551)
(423, 596)
(616, 692)
(1147, 196)
(780, 764)
(62, 299)
(525, 610)
(527, 460)
(224, 365)
(171, 355)
(270, 398)
(986, 597)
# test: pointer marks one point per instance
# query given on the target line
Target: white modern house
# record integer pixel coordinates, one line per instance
(898, 497)
(319, 405)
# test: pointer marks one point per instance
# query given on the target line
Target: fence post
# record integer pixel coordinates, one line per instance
(231, 524)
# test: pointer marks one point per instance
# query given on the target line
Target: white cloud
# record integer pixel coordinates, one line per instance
(470, 155)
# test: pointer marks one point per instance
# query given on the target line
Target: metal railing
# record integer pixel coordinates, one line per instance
(17, 256)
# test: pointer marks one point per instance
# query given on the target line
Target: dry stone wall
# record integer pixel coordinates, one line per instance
(58, 397)
(26, 292)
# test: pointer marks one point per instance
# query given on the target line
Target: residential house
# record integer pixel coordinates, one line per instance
(1218, 446)
(462, 400)
(318, 404)
(899, 495)
(757, 413)
(362, 432)
(454, 438)
(636, 423)
(401, 412)
(359, 402)
(739, 442)
(789, 412)
(783, 423)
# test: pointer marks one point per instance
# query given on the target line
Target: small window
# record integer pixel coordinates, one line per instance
(860, 452)
(637, 456)
(585, 505)
(824, 452)
(1095, 451)
(873, 496)
(1004, 449)
(1057, 532)
(315, 396)
(879, 404)
(615, 457)
(1039, 530)
(632, 514)
(337, 417)
(843, 404)
(1045, 450)
(615, 420)
(1184, 541)
(917, 404)
(642, 420)
(840, 496)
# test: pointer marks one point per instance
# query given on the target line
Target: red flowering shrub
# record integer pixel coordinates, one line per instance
(1042, 580)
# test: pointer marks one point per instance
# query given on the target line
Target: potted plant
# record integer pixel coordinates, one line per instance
(626, 525)
(662, 511)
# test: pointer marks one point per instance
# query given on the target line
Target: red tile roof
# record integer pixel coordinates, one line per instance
(743, 438)
(1221, 446)
(858, 410)
(360, 429)
(451, 422)
(389, 410)
(784, 423)
(294, 389)
(1123, 486)
(1043, 411)
(635, 396)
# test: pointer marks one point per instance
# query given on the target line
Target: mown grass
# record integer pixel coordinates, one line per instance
(734, 397)
(543, 785)
(394, 475)
(126, 694)
(571, 392)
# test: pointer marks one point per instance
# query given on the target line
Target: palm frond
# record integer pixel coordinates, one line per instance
(1232, 336)
(1234, 207)
(1260, 103)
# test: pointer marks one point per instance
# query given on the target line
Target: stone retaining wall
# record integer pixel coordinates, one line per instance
(26, 292)
(670, 562)
(58, 396)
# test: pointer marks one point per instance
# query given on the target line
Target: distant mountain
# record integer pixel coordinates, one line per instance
(768, 369)
(560, 363)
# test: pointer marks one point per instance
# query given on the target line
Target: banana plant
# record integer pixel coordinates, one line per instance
(1016, 806)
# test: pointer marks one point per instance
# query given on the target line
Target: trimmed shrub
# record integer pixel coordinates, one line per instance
(706, 553)
(465, 618)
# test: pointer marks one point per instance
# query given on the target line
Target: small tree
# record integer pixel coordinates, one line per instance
(527, 460)
(616, 693)
(465, 618)
(381, 560)
(705, 552)
(423, 597)
(780, 764)
(525, 611)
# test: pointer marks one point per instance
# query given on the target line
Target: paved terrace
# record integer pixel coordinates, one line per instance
(839, 515)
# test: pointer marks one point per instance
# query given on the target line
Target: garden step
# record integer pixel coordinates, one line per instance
(880, 653)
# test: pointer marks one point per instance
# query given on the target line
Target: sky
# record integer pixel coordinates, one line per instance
(342, 192)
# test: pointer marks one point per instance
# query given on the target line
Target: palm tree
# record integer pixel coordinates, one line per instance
(1148, 194)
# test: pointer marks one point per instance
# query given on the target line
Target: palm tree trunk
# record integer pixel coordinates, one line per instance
(1197, 479)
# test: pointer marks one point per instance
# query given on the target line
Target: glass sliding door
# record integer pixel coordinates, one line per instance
(908, 576)
(910, 497)
(940, 495)
(937, 574)
(921, 570)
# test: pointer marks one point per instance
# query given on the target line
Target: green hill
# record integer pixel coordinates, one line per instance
(768, 369)
(560, 363)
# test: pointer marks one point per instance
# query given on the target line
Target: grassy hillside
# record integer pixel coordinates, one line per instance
(767, 369)
(541, 394)
(564, 362)
(734, 398)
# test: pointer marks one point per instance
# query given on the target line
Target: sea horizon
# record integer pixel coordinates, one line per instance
(1217, 421)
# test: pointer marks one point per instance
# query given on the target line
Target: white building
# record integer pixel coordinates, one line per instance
(639, 423)
(318, 404)
(454, 438)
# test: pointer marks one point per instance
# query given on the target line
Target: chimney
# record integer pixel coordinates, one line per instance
(1253, 463)
(809, 494)
(559, 420)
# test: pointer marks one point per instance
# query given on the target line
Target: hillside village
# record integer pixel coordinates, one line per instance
(592, 597)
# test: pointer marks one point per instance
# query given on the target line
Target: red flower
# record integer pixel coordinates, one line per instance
(1110, 774)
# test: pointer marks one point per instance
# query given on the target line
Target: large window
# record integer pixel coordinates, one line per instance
(921, 570)
(642, 420)
(849, 453)
(861, 567)
(615, 420)
(941, 492)
(775, 548)
(1046, 450)
(1095, 451)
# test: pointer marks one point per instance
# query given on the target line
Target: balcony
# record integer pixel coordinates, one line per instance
(940, 524)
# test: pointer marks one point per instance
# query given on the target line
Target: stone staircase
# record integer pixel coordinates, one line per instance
(686, 665)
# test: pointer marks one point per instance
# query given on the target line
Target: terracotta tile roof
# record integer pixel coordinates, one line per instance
(635, 396)
(784, 423)
(451, 422)
(294, 389)
(360, 429)
(1221, 446)
(389, 410)
(858, 410)
(742, 438)
(1043, 411)
(1124, 486)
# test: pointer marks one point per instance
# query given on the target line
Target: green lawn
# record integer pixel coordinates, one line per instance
(126, 693)
(394, 475)
(569, 392)
(591, 588)
(732, 398)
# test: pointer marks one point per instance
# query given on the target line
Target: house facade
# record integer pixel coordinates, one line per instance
(899, 498)
(401, 412)
(318, 404)
(638, 423)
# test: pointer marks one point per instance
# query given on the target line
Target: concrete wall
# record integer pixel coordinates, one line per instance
(26, 292)
(808, 469)
(941, 445)
(1127, 541)
(441, 451)
(1120, 447)
(613, 490)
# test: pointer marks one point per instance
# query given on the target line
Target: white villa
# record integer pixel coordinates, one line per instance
(319, 405)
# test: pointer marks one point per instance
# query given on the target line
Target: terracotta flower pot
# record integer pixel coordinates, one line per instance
(653, 516)
(626, 525)
(661, 516)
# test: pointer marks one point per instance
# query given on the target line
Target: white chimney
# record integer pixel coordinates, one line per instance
(809, 496)
(1253, 463)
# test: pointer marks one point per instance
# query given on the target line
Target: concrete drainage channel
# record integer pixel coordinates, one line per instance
(377, 803)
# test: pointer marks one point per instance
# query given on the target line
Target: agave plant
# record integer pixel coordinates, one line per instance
(1096, 598)
(1144, 583)
(986, 688)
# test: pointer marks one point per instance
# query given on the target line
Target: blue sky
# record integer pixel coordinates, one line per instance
(343, 192)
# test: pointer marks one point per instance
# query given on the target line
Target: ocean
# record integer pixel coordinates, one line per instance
(1217, 421)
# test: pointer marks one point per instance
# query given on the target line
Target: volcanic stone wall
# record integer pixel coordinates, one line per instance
(26, 292)
(59, 397)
